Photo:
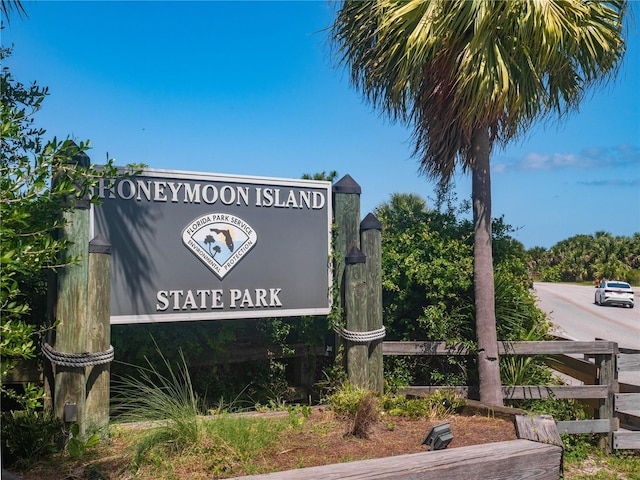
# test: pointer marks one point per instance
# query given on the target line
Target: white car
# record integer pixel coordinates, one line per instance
(614, 292)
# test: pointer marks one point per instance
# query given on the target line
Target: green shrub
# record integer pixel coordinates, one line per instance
(28, 435)
(346, 400)
(439, 404)
(561, 409)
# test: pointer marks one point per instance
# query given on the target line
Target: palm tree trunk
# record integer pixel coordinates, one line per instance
(488, 364)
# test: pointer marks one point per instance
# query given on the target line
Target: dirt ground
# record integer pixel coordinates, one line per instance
(321, 441)
(388, 437)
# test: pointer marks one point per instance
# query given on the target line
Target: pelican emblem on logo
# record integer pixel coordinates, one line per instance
(219, 240)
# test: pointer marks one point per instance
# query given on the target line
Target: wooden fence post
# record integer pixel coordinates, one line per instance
(346, 218)
(71, 308)
(98, 335)
(346, 213)
(356, 316)
(608, 376)
(371, 241)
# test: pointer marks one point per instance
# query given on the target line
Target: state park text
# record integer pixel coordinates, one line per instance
(182, 300)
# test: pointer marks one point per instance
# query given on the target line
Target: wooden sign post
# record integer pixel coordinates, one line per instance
(82, 352)
(371, 241)
(358, 276)
(71, 308)
(99, 336)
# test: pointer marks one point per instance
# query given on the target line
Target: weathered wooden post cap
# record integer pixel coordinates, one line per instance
(71, 157)
(355, 256)
(99, 244)
(370, 222)
(346, 185)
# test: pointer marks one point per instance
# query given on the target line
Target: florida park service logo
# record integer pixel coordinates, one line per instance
(219, 240)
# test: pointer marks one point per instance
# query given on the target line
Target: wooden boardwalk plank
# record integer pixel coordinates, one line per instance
(512, 460)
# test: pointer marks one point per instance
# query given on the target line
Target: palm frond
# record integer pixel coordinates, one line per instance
(446, 68)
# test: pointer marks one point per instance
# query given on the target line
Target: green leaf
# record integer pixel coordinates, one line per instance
(92, 441)
(75, 448)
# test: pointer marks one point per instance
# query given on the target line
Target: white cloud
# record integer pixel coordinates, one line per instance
(613, 182)
(566, 160)
(499, 168)
(588, 158)
(535, 161)
(629, 153)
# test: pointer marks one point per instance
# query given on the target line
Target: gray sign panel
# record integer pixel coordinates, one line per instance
(198, 246)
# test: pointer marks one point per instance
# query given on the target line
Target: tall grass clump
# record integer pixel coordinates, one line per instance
(233, 441)
(165, 402)
(358, 406)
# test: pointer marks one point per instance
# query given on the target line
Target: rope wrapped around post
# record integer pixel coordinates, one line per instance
(77, 360)
(360, 337)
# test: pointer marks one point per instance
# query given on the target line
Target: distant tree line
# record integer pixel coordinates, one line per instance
(584, 258)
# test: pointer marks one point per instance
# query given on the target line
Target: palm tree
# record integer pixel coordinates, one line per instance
(466, 75)
(9, 6)
(610, 260)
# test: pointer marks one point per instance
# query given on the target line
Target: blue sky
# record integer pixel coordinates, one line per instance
(249, 88)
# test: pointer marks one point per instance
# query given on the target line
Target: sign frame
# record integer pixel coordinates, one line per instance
(222, 204)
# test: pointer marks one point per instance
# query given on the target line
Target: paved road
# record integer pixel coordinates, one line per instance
(574, 314)
(572, 310)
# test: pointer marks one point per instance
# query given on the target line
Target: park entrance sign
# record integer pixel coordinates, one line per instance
(199, 246)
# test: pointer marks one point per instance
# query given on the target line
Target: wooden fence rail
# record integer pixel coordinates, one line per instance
(614, 405)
